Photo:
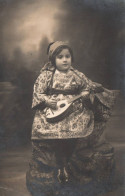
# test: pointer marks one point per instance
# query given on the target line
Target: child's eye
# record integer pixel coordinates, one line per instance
(60, 56)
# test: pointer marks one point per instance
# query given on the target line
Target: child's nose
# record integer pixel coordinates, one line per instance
(64, 59)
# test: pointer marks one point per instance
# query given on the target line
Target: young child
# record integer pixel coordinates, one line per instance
(57, 81)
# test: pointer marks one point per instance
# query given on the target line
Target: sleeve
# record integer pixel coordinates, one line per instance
(39, 91)
(93, 87)
(105, 97)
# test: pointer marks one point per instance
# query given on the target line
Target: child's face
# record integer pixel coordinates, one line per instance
(63, 60)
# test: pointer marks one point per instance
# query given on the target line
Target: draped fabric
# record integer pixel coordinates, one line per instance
(84, 115)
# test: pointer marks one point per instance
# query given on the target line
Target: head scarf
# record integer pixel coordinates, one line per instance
(56, 45)
(52, 49)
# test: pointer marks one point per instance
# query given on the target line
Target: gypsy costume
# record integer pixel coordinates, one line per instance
(64, 86)
(64, 143)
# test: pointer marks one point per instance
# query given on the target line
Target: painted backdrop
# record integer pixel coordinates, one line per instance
(96, 31)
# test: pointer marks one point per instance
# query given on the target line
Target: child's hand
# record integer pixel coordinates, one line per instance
(51, 103)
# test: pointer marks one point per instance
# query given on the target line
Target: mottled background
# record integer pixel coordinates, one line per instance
(96, 31)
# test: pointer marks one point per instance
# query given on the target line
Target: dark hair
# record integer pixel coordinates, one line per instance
(57, 51)
(49, 47)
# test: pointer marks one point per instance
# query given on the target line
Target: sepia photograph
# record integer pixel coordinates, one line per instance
(62, 98)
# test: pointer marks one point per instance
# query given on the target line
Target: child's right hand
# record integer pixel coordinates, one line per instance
(51, 103)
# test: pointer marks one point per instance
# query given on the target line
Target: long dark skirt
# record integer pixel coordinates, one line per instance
(54, 152)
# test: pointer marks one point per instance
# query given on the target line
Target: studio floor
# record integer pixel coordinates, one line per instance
(14, 162)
